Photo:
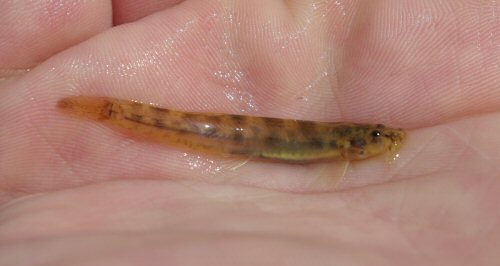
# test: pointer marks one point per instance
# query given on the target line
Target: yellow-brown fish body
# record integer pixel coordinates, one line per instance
(262, 137)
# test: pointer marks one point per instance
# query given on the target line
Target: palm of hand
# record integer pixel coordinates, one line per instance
(433, 72)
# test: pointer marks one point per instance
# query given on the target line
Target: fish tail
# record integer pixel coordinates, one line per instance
(94, 108)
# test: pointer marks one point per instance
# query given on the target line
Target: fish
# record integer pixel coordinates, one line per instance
(287, 140)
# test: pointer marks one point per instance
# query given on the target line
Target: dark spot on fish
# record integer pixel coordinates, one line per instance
(136, 117)
(214, 119)
(190, 116)
(255, 131)
(358, 143)
(238, 119)
(365, 128)
(273, 141)
(273, 122)
(333, 144)
(315, 143)
(345, 131)
(307, 128)
(108, 110)
(291, 135)
(159, 123)
(341, 145)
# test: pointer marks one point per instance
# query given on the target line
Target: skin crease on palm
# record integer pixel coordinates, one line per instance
(74, 192)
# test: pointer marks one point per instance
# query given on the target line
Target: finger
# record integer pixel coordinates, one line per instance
(437, 63)
(125, 11)
(32, 31)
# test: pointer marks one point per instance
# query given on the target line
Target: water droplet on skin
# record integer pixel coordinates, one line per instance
(198, 163)
(244, 99)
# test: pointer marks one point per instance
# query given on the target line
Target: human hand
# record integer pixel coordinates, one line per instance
(77, 193)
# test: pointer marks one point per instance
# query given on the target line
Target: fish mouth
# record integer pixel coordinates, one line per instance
(395, 135)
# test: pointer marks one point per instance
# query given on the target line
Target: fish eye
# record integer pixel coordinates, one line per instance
(376, 133)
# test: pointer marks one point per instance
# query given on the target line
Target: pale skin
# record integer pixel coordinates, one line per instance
(73, 192)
